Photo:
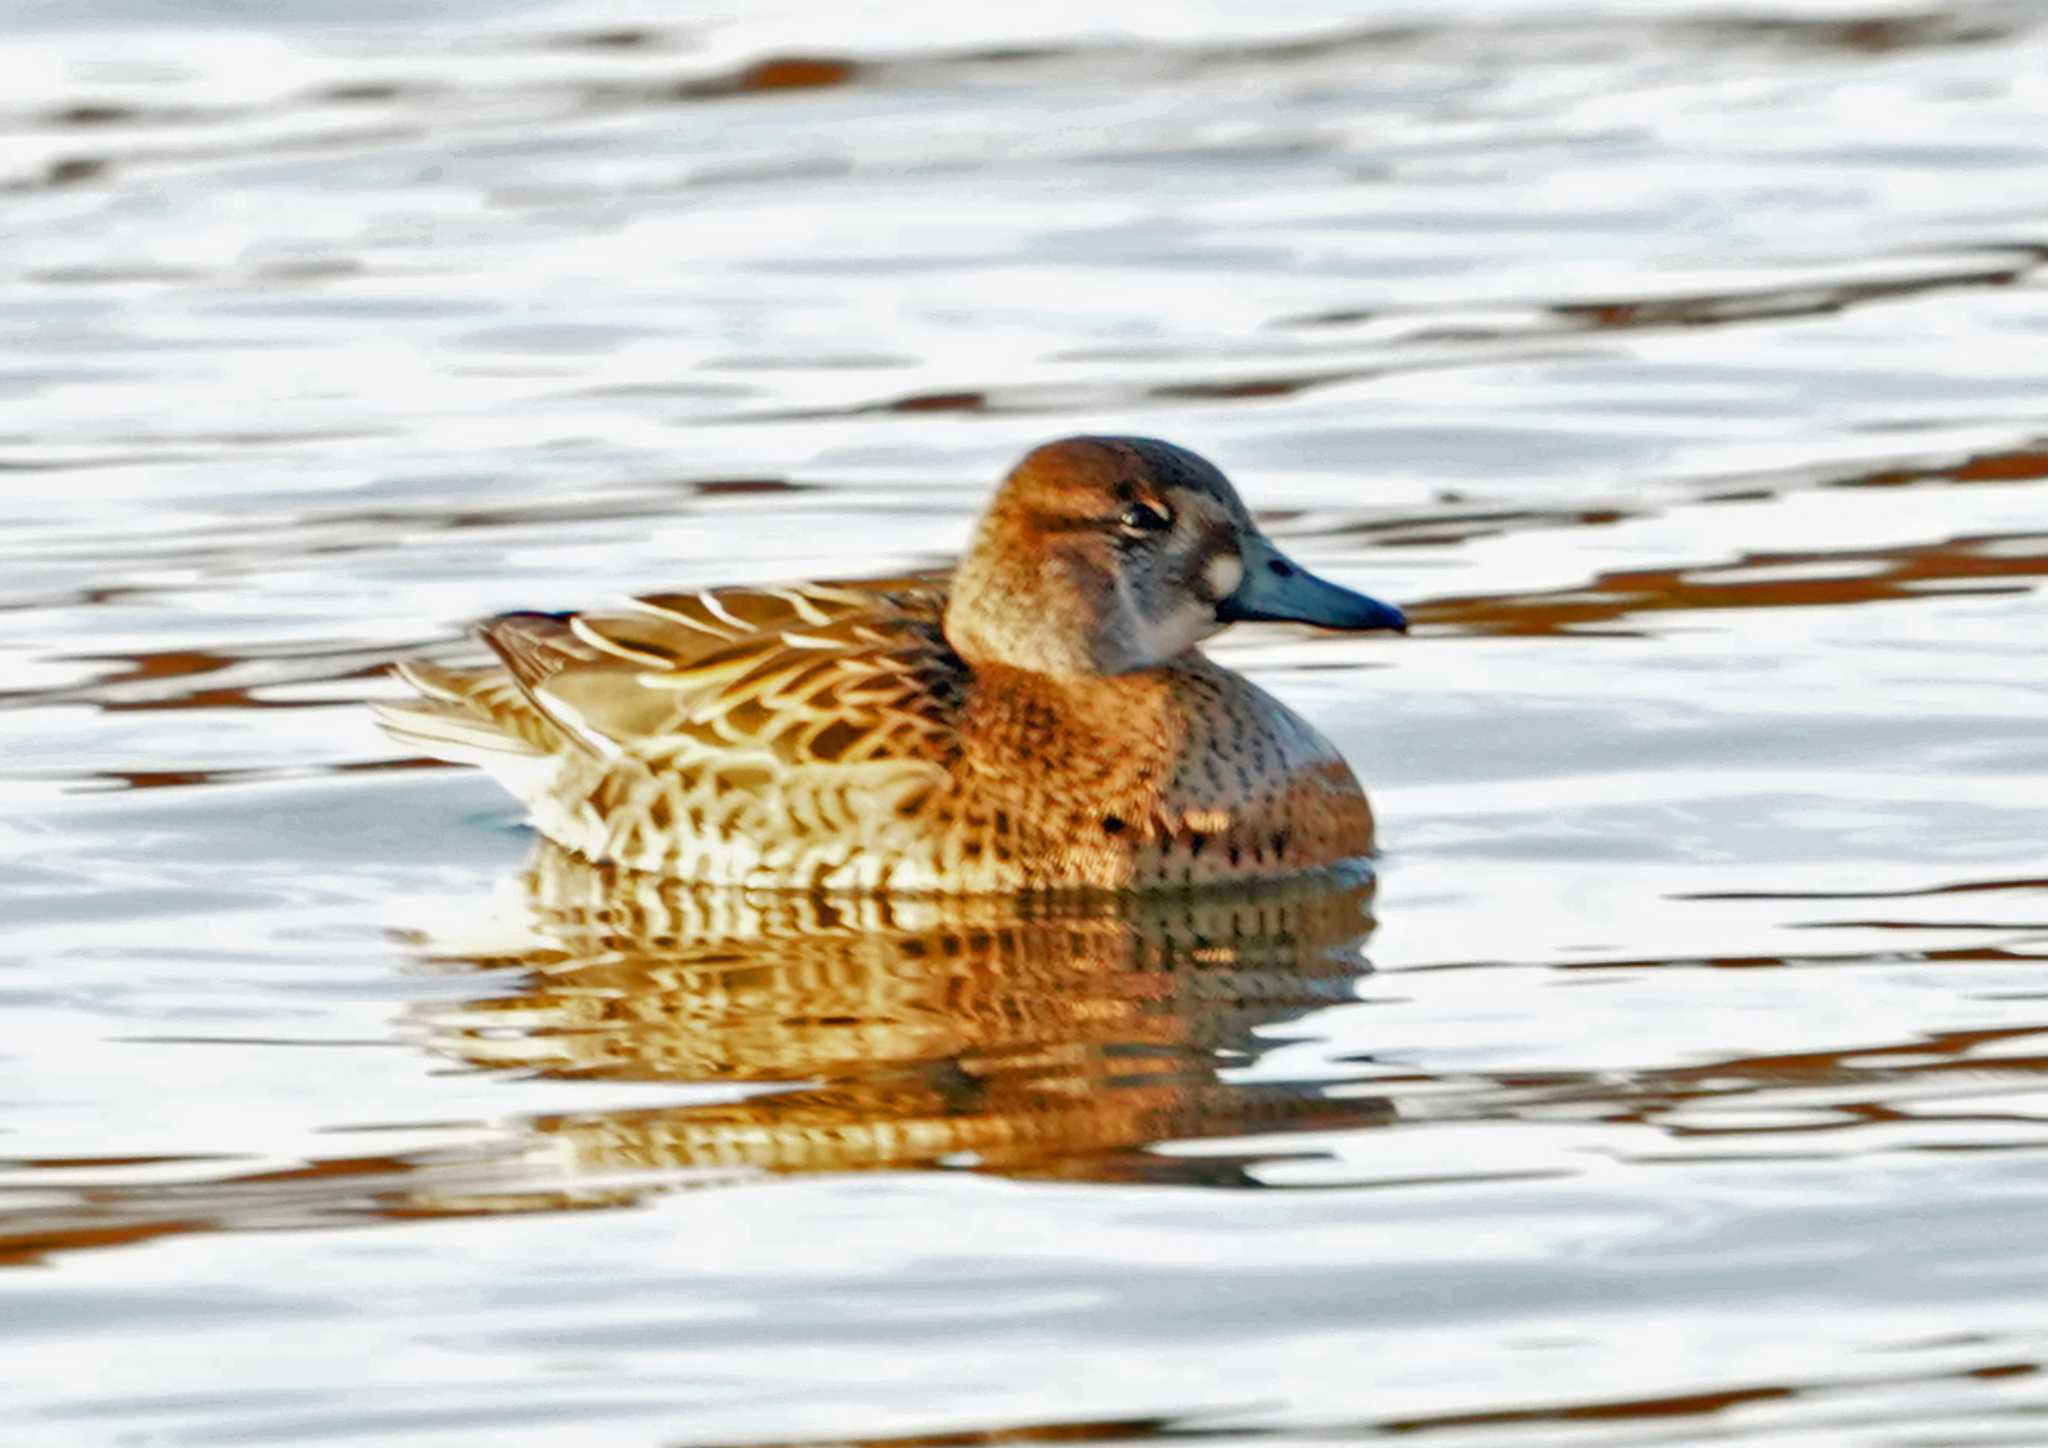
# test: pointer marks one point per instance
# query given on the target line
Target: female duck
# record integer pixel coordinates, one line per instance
(1040, 721)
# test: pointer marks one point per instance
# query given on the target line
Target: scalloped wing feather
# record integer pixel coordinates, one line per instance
(819, 674)
(822, 673)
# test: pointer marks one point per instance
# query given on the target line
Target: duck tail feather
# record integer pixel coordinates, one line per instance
(448, 731)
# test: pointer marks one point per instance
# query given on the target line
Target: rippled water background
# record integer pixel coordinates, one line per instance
(1684, 368)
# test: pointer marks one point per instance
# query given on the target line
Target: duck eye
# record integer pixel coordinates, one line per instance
(1139, 519)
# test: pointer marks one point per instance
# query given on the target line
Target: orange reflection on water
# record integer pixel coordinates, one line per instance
(1789, 579)
(1016, 1036)
(1030, 1038)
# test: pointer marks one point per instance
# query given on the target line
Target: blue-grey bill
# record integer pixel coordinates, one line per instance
(1276, 589)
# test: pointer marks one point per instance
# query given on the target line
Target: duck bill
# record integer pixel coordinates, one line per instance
(1276, 589)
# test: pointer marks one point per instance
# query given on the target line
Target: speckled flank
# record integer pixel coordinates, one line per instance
(832, 737)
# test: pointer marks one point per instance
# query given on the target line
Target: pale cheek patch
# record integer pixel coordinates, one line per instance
(1223, 574)
(1179, 631)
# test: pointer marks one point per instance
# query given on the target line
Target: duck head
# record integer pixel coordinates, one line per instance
(1106, 555)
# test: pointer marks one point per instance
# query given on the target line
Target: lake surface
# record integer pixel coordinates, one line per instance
(1677, 1080)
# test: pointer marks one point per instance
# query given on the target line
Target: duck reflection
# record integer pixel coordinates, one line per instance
(1026, 1037)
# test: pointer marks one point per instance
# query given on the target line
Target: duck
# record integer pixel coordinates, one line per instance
(1040, 718)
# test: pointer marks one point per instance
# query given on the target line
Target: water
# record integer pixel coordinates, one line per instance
(1685, 370)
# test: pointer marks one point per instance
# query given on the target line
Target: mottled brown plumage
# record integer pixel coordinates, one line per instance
(1041, 720)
